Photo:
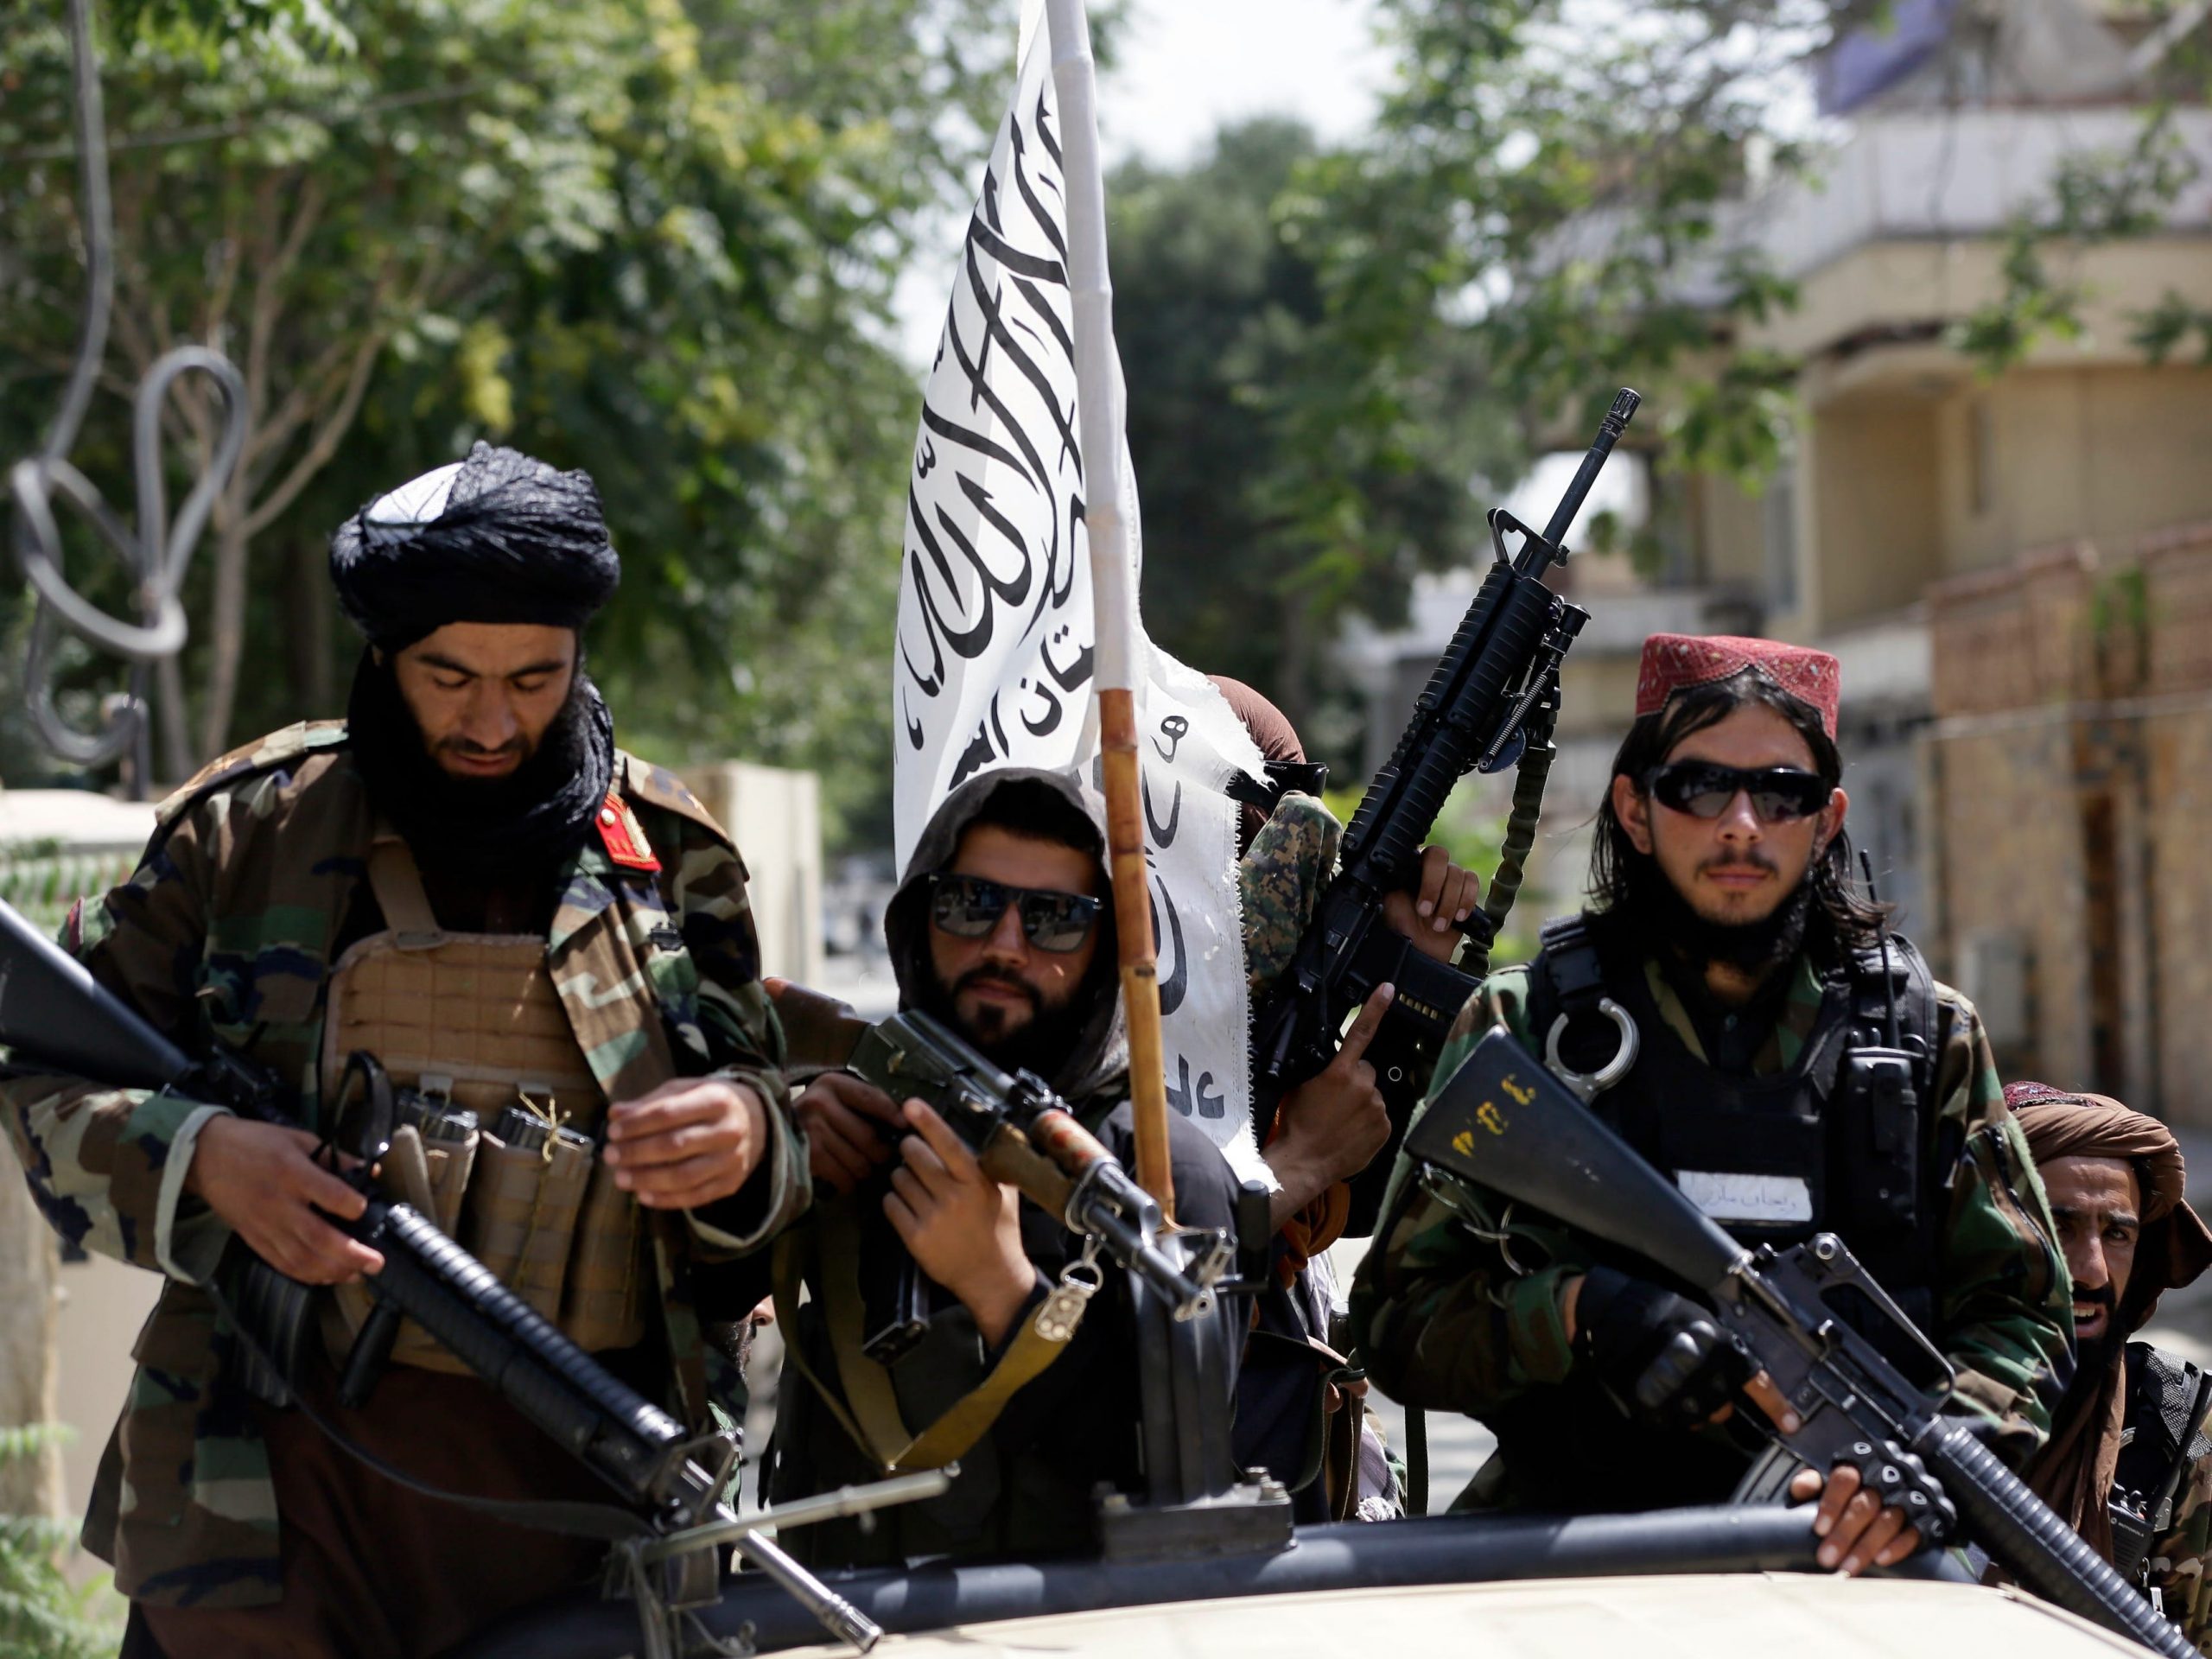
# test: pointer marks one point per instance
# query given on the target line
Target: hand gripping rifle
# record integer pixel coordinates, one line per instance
(1024, 1135)
(1803, 1314)
(55, 1016)
(1491, 702)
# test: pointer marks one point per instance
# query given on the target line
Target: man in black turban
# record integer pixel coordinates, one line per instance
(472, 717)
(548, 942)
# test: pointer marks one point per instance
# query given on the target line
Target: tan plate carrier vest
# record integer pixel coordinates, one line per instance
(473, 1019)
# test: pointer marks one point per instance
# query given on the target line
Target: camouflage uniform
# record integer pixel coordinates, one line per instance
(226, 932)
(1280, 877)
(2179, 1560)
(1449, 1322)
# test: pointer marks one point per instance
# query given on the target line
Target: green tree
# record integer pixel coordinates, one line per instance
(1553, 181)
(653, 239)
(1271, 509)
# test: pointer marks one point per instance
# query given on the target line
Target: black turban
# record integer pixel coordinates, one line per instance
(498, 537)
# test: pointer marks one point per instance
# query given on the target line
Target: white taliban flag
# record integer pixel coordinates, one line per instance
(993, 662)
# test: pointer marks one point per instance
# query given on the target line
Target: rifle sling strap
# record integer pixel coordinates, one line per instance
(1529, 779)
(868, 1409)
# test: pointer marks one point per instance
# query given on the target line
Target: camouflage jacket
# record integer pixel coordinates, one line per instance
(2178, 1561)
(226, 932)
(1449, 1321)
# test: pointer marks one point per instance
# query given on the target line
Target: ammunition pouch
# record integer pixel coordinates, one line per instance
(500, 1114)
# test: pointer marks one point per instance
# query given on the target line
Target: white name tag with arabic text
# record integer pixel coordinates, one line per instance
(1736, 1196)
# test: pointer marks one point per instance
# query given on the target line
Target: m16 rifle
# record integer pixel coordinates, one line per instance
(1023, 1134)
(1491, 702)
(1809, 1317)
(55, 1016)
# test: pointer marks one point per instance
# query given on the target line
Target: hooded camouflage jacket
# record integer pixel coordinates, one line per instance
(227, 933)
(1026, 1487)
(1451, 1322)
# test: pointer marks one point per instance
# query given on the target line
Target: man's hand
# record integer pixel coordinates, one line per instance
(961, 1226)
(840, 1115)
(263, 1181)
(1855, 1531)
(1671, 1371)
(1430, 915)
(687, 1142)
(1333, 1123)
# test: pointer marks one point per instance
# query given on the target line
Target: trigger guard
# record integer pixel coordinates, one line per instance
(1588, 1085)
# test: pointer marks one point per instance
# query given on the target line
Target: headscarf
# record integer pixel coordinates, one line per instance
(498, 538)
(2073, 1472)
(1276, 738)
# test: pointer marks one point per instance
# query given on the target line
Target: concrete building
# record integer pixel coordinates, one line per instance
(1907, 466)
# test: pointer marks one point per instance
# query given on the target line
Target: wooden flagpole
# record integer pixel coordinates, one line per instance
(1098, 428)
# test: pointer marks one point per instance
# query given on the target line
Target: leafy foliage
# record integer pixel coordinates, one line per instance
(42, 1615)
(653, 238)
(1270, 507)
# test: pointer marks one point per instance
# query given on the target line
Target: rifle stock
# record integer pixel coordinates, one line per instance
(1503, 1121)
(1496, 1121)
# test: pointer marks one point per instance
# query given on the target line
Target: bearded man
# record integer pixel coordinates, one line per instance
(2129, 1464)
(1711, 1006)
(549, 941)
(1002, 929)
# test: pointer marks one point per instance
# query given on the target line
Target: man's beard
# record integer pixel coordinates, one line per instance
(490, 829)
(2091, 1354)
(1040, 1044)
(1656, 908)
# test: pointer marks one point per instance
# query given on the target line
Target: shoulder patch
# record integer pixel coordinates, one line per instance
(649, 785)
(279, 748)
(624, 838)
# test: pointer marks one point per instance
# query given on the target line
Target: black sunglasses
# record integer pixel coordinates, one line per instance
(1703, 789)
(968, 906)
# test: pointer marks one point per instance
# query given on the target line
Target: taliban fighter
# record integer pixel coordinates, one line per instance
(1728, 936)
(1002, 929)
(546, 937)
(2128, 1465)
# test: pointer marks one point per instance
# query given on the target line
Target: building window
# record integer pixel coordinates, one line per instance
(1778, 528)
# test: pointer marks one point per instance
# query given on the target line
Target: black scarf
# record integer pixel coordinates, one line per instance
(492, 830)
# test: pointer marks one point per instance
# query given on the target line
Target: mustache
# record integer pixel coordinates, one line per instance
(1750, 858)
(990, 977)
(2101, 1296)
(464, 745)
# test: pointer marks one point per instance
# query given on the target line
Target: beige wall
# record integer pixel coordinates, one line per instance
(1887, 476)
(1877, 531)
(1885, 284)
(2091, 454)
(2070, 781)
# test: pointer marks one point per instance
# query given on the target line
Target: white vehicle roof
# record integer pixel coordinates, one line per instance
(1786, 1615)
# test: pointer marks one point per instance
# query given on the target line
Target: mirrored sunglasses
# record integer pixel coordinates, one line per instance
(1703, 789)
(968, 906)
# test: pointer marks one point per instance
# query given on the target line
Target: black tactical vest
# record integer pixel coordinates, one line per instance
(2167, 1399)
(1843, 1141)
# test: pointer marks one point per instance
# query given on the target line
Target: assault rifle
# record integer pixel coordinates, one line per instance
(1491, 702)
(1024, 1135)
(1810, 1316)
(55, 1016)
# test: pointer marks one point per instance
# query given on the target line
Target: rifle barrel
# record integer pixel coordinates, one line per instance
(1609, 431)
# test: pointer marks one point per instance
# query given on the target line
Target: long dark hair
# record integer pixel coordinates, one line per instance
(1853, 919)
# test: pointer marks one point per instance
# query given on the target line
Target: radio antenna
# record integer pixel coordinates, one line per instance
(1882, 934)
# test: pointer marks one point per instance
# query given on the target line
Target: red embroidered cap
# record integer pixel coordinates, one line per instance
(1675, 662)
